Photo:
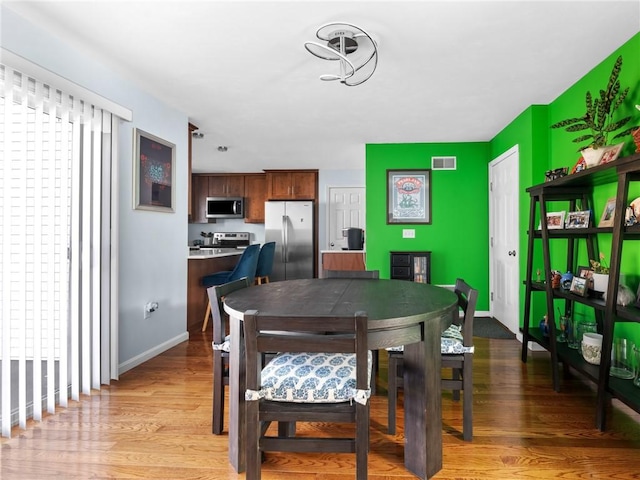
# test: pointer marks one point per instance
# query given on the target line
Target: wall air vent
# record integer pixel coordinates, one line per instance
(443, 163)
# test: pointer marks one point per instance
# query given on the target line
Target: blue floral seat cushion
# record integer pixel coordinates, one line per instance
(311, 378)
(450, 342)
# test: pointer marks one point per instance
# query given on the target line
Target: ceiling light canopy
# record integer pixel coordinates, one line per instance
(353, 48)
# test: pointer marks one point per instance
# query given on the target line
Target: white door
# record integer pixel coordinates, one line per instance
(504, 256)
(346, 209)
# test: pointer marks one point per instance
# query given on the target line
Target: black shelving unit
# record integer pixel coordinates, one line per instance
(576, 191)
(412, 266)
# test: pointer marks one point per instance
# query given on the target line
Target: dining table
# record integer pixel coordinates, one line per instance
(399, 312)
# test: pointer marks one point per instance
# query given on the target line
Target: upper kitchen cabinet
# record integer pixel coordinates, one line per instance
(200, 191)
(292, 184)
(255, 192)
(229, 185)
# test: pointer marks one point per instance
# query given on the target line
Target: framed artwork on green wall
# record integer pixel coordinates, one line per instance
(409, 196)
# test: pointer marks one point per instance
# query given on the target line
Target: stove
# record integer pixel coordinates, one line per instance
(231, 240)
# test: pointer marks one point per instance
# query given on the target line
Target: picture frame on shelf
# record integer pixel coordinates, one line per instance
(154, 173)
(578, 286)
(611, 153)
(409, 196)
(578, 219)
(585, 272)
(608, 214)
(555, 220)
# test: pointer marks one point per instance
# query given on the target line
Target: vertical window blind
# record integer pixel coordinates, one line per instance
(53, 307)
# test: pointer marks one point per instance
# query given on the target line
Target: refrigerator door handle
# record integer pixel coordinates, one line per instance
(284, 239)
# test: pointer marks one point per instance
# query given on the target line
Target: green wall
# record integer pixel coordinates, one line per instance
(458, 235)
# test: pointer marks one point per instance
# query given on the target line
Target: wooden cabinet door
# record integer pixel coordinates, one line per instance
(226, 185)
(303, 185)
(279, 185)
(255, 194)
(200, 191)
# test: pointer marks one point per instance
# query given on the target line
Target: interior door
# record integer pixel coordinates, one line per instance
(503, 229)
(346, 209)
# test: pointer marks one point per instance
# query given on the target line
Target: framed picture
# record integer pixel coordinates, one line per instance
(579, 286)
(611, 153)
(608, 214)
(555, 220)
(577, 219)
(154, 161)
(585, 272)
(409, 196)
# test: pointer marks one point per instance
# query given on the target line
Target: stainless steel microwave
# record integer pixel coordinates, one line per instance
(225, 207)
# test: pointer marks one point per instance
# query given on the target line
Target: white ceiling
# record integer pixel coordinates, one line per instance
(448, 71)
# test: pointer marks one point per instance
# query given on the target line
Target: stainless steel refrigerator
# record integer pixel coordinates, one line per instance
(290, 224)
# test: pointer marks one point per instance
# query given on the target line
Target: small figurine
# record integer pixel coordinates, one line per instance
(565, 280)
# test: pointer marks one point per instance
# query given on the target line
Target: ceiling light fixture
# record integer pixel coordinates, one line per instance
(197, 135)
(352, 47)
(222, 148)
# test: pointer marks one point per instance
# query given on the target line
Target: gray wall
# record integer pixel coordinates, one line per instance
(153, 263)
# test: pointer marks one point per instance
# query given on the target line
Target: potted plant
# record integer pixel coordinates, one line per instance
(600, 276)
(598, 122)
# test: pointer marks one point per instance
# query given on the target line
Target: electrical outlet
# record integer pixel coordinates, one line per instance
(408, 233)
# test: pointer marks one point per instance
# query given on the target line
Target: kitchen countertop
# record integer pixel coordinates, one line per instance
(204, 253)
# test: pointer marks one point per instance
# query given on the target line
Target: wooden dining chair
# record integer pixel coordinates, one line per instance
(221, 347)
(351, 274)
(456, 348)
(317, 378)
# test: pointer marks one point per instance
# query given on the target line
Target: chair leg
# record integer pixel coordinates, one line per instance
(207, 312)
(374, 370)
(218, 393)
(455, 375)
(392, 387)
(467, 392)
(362, 441)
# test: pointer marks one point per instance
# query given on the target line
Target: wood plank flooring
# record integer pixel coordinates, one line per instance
(155, 423)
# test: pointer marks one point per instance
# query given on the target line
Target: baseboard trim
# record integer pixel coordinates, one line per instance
(153, 352)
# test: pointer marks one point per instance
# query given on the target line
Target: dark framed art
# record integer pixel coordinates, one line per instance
(409, 196)
(154, 173)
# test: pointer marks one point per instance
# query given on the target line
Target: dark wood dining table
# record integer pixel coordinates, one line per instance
(400, 313)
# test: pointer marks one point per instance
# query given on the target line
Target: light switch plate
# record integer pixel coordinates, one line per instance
(408, 233)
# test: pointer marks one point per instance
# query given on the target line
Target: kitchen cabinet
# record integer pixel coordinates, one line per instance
(575, 192)
(412, 266)
(200, 191)
(292, 184)
(226, 185)
(255, 194)
(343, 260)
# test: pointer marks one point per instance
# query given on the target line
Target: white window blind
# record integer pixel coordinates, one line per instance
(52, 307)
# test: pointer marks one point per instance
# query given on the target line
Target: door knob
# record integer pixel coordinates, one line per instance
(512, 253)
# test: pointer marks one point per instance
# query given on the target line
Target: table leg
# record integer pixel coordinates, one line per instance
(237, 381)
(423, 403)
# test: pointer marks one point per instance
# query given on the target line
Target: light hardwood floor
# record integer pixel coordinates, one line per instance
(155, 423)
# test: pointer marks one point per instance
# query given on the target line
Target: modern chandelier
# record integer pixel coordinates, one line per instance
(353, 48)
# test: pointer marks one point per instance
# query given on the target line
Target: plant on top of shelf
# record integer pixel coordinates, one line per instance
(599, 267)
(599, 117)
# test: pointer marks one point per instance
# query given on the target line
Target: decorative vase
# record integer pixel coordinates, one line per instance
(600, 282)
(592, 156)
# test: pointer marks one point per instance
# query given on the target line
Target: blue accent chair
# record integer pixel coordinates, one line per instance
(246, 267)
(265, 262)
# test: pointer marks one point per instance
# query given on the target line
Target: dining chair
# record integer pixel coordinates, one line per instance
(220, 345)
(316, 378)
(370, 274)
(456, 348)
(351, 274)
(246, 267)
(265, 262)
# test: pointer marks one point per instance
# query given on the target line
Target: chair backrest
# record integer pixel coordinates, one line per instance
(247, 265)
(467, 298)
(296, 334)
(265, 260)
(216, 295)
(351, 274)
